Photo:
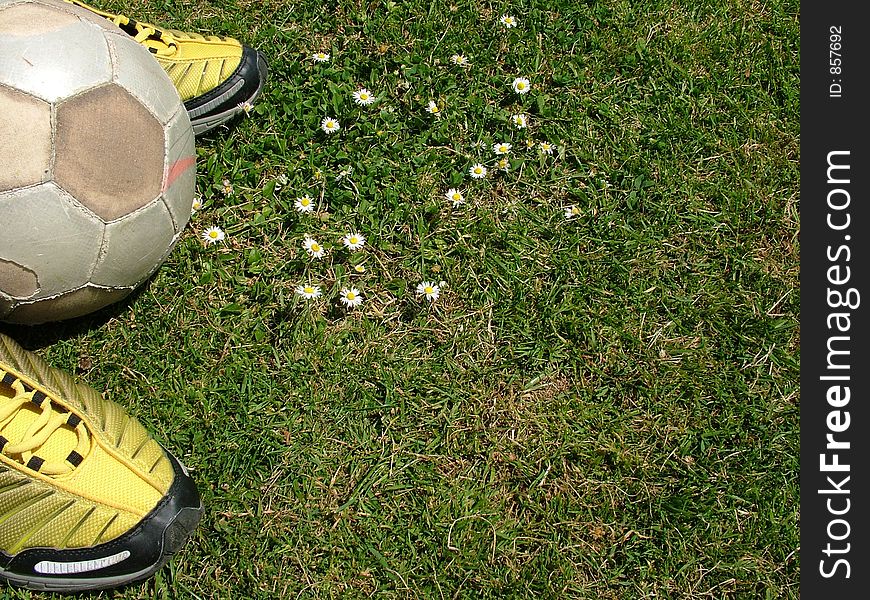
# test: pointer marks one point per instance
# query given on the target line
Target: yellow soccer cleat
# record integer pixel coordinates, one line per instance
(88, 499)
(216, 77)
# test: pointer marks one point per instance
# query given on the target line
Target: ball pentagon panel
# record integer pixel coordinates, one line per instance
(109, 151)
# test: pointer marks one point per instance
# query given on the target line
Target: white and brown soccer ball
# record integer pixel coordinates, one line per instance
(97, 162)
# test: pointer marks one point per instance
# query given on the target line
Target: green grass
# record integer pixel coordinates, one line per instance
(597, 407)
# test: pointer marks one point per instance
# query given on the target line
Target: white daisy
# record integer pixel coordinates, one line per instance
(521, 85)
(351, 297)
(477, 171)
(460, 60)
(246, 107)
(196, 205)
(501, 148)
(455, 196)
(308, 291)
(508, 21)
(228, 187)
(503, 164)
(429, 289)
(530, 144)
(320, 57)
(359, 268)
(313, 247)
(546, 147)
(433, 108)
(572, 211)
(304, 204)
(329, 125)
(521, 121)
(213, 235)
(363, 97)
(353, 241)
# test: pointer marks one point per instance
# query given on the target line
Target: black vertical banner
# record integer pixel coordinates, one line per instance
(835, 300)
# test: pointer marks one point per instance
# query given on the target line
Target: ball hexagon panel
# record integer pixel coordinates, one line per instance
(179, 184)
(66, 306)
(25, 139)
(50, 53)
(128, 256)
(138, 72)
(109, 151)
(46, 232)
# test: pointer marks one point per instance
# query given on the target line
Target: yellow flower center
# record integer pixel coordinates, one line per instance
(315, 247)
(429, 290)
(353, 240)
(457, 197)
(309, 290)
(213, 234)
(350, 296)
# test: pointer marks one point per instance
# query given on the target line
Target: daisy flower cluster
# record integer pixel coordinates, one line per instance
(513, 138)
(516, 135)
(214, 234)
(350, 296)
(361, 96)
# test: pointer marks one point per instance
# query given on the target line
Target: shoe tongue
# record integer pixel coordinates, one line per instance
(18, 426)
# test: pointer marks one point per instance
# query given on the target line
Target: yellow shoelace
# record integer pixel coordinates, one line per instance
(164, 42)
(160, 40)
(47, 423)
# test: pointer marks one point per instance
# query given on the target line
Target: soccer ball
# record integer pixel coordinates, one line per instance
(97, 162)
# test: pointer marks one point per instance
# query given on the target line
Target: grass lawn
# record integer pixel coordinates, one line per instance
(601, 403)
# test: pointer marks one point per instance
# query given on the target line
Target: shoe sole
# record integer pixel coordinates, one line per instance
(179, 524)
(204, 123)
